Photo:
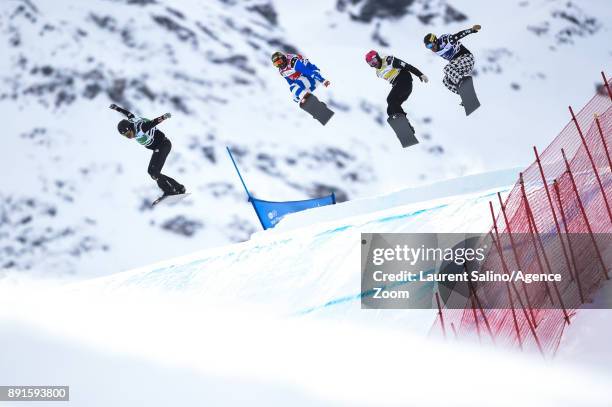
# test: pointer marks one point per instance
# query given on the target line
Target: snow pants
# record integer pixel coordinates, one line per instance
(402, 88)
(456, 70)
(158, 159)
(301, 86)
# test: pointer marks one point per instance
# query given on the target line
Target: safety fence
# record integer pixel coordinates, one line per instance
(551, 221)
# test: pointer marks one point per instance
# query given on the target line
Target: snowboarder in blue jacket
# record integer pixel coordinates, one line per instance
(301, 75)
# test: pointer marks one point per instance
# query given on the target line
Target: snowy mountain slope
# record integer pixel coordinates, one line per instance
(278, 318)
(74, 194)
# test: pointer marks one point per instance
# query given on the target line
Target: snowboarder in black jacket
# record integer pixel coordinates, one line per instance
(399, 74)
(146, 133)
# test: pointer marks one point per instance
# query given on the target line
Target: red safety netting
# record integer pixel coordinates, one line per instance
(551, 221)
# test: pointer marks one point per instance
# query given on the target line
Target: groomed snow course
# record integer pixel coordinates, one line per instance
(277, 321)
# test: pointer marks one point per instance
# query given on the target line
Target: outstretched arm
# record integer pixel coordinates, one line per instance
(126, 112)
(146, 126)
(399, 64)
(310, 70)
(456, 37)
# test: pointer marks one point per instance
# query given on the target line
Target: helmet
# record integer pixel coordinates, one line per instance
(279, 59)
(372, 58)
(429, 40)
(124, 126)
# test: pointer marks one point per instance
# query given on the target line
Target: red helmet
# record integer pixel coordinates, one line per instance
(372, 58)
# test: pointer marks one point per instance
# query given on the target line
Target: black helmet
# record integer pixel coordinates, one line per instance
(429, 40)
(124, 126)
(279, 59)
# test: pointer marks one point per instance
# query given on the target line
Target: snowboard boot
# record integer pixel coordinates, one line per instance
(305, 98)
(178, 190)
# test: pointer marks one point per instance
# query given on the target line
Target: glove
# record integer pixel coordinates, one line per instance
(424, 78)
(113, 106)
(476, 27)
(326, 83)
(166, 116)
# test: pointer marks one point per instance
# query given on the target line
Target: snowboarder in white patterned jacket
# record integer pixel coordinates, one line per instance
(461, 60)
(301, 75)
(146, 133)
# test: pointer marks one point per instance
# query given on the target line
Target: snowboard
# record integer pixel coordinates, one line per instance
(170, 199)
(468, 95)
(316, 108)
(403, 130)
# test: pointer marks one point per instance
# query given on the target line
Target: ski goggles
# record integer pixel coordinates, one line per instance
(429, 40)
(279, 62)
